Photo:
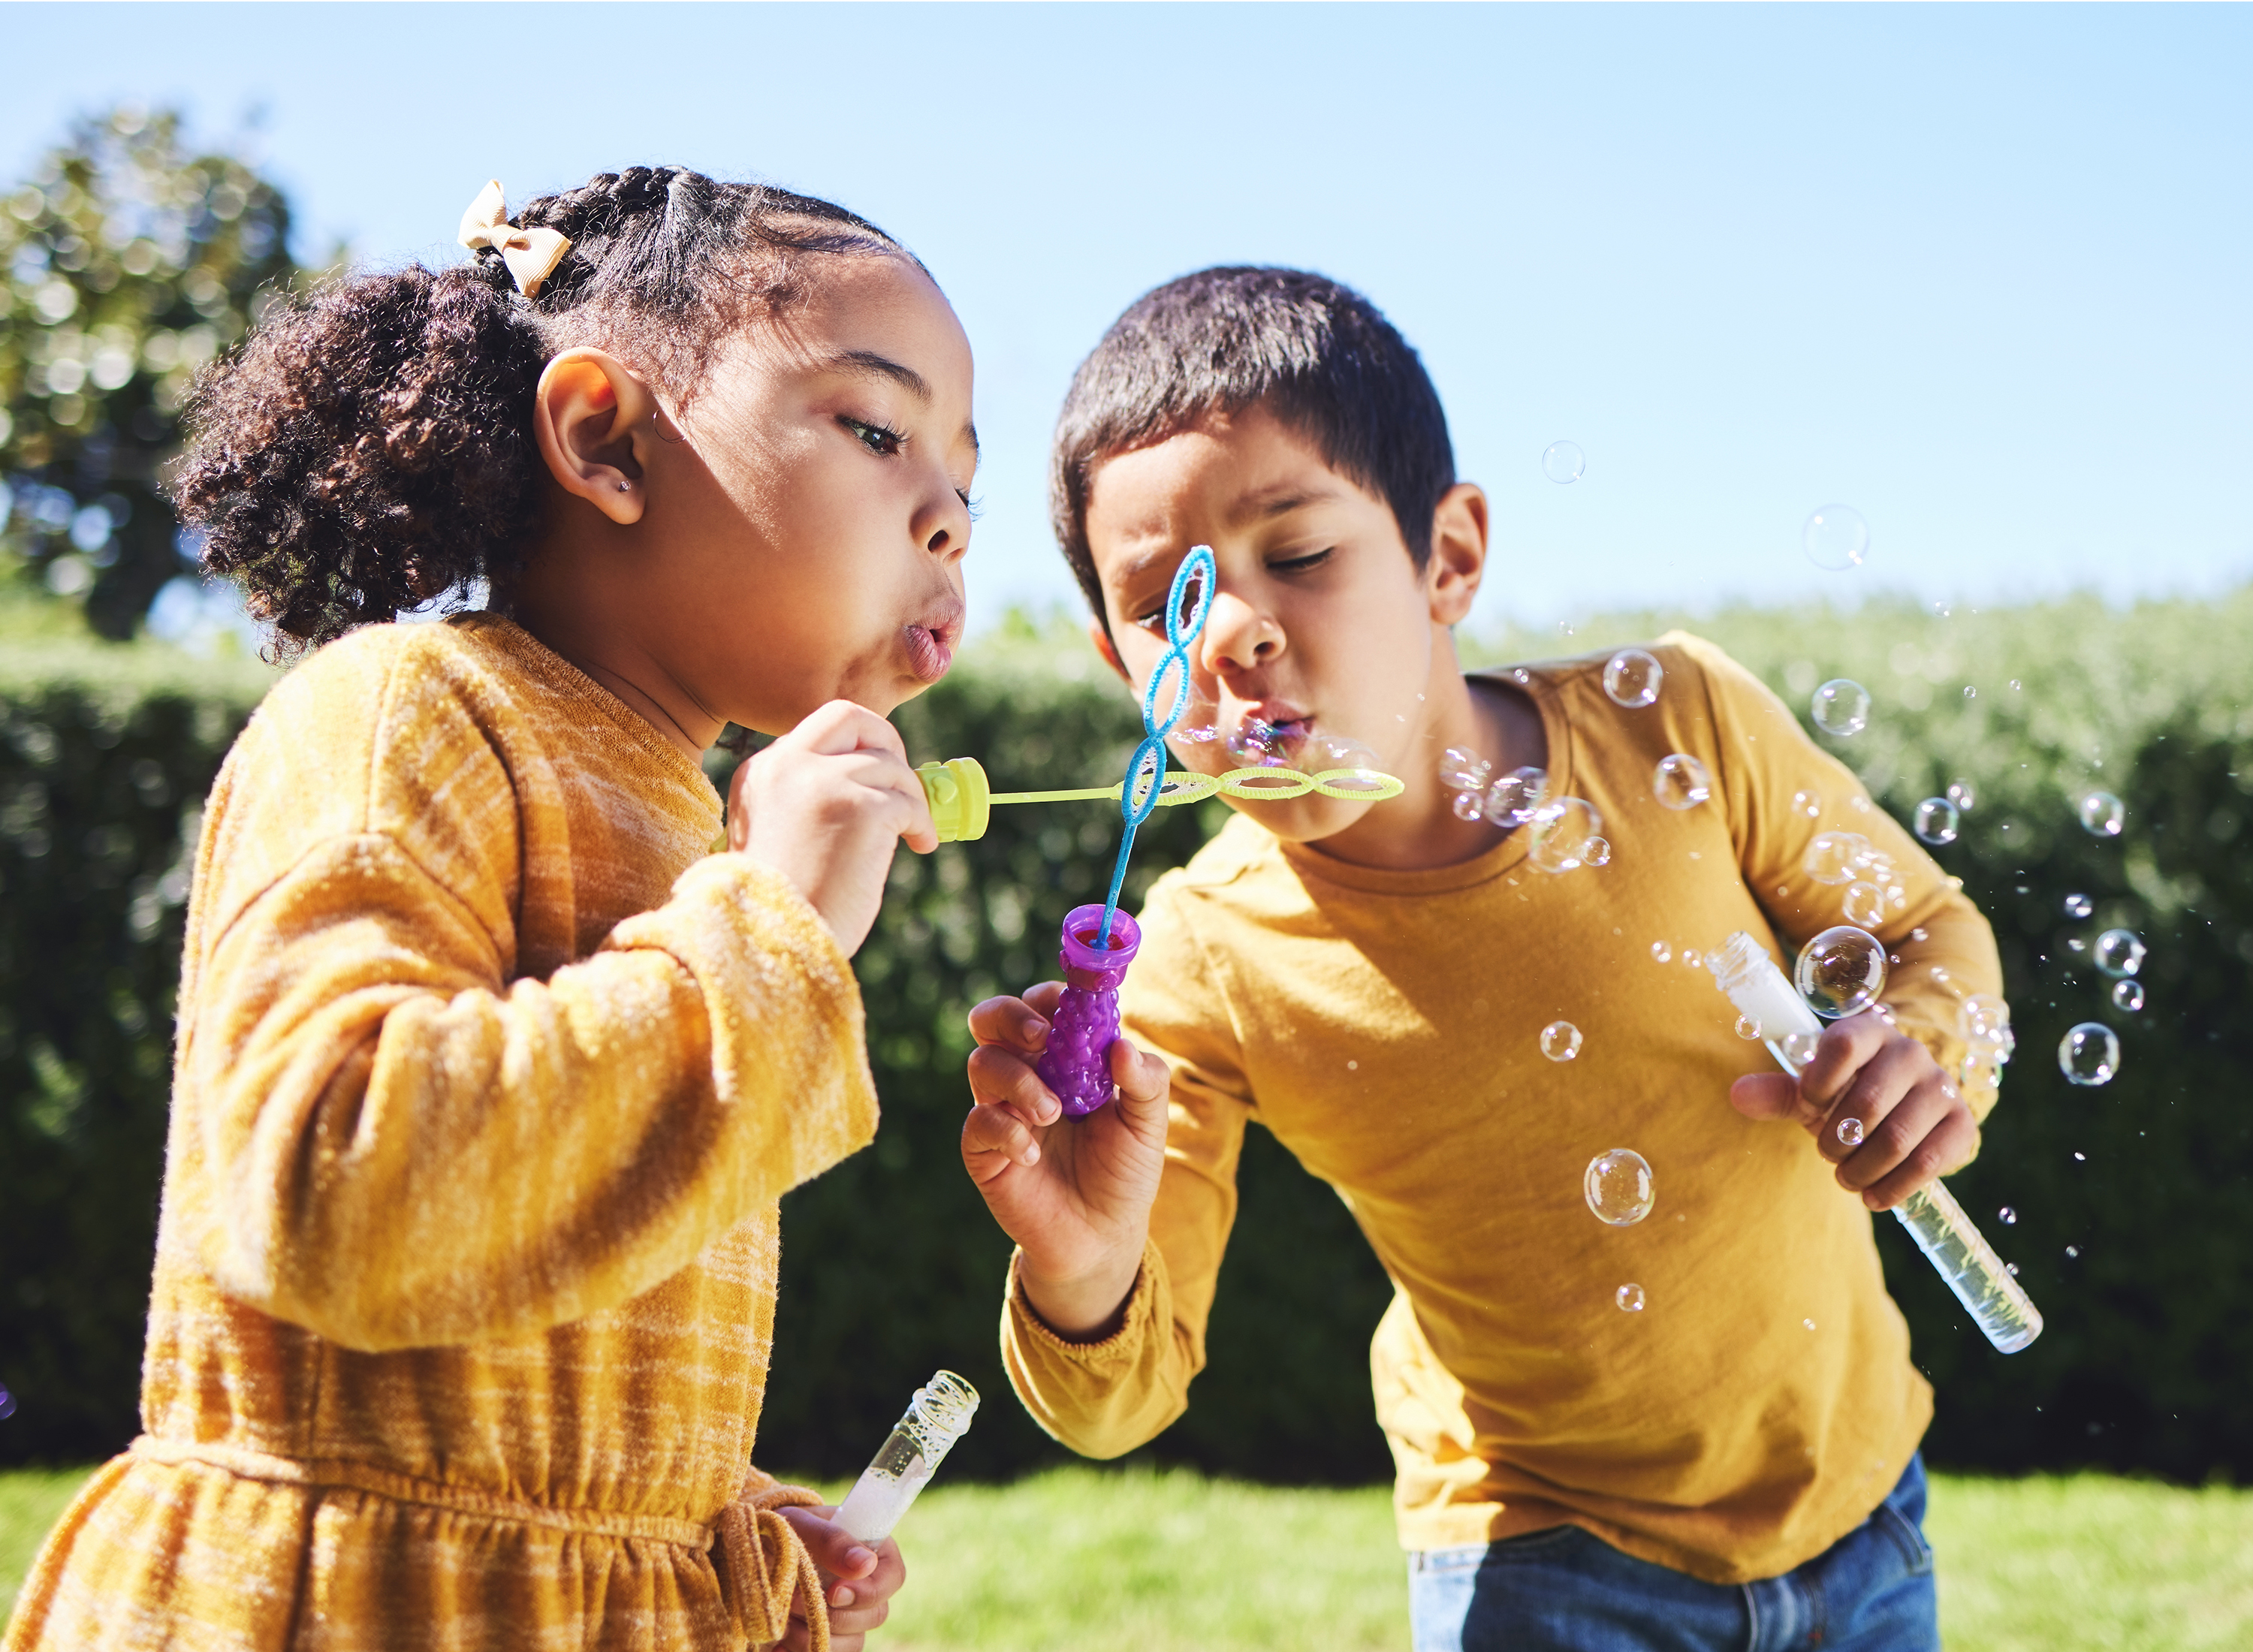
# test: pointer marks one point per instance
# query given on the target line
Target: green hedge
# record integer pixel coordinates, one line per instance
(2150, 1324)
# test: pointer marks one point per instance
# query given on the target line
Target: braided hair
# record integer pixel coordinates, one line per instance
(370, 448)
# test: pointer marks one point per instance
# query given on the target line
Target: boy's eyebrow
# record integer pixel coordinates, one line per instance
(870, 363)
(1281, 500)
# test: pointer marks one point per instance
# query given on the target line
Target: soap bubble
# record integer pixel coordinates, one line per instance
(2008, 1217)
(1467, 806)
(1834, 857)
(1598, 853)
(1850, 1132)
(1632, 678)
(1562, 832)
(1463, 769)
(1629, 1298)
(1841, 708)
(1256, 744)
(1962, 792)
(2089, 1054)
(2101, 815)
(1661, 952)
(1564, 462)
(1835, 538)
(1680, 781)
(1689, 958)
(1936, 821)
(2128, 995)
(1799, 1049)
(1618, 1187)
(1970, 693)
(1985, 1020)
(1513, 798)
(1841, 972)
(1858, 804)
(1864, 904)
(1327, 753)
(2079, 906)
(1749, 1028)
(1561, 1041)
(7, 1404)
(2118, 952)
(1807, 803)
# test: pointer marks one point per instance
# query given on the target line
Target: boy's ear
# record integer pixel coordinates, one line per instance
(1459, 528)
(1109, 649)
(593, 421)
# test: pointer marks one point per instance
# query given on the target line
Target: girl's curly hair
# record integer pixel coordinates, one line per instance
(370, 448)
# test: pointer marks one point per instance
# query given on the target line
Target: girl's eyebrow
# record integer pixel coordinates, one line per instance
(869, 364)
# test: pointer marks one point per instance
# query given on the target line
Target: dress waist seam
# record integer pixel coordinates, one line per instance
(342, 1473)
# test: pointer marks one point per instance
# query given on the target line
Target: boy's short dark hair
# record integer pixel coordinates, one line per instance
(1314, 353)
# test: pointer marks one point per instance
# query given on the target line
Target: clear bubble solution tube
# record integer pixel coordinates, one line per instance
(1950, 1241)
(938, 1416)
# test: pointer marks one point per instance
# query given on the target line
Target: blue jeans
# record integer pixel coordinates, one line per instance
(1565, 1590)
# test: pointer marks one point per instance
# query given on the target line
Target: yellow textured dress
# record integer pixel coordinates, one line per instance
(489, 1079)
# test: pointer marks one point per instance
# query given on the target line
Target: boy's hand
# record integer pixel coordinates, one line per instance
(1914, 1125)
(862, 1578)
(825, 806)
(1074, 1194)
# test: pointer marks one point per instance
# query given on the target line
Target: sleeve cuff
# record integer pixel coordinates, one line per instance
(1111, 1353)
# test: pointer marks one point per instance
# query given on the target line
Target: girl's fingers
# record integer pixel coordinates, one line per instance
(1009, 1021)
(1947, 1146)
(1001, 1078)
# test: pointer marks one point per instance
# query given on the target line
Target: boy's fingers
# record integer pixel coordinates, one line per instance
(999, 1076)
(1009, 1021)
(1846, 1046)
(993, 1138)
(1141, 1078)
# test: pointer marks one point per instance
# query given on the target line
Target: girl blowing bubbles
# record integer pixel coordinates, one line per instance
(489, 1075)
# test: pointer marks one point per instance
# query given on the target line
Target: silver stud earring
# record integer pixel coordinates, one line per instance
(625, 487)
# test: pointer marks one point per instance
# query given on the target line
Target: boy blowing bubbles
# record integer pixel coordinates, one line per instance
(1734, 1465)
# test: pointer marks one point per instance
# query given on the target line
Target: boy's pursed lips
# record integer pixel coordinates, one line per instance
(930, 641)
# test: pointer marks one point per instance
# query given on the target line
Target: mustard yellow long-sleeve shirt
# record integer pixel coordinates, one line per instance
(489, 1078)
(1385, 1026)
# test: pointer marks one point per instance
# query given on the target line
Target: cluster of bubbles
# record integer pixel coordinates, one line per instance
(1567, 832)
(2089, 1053)
(1872, 880)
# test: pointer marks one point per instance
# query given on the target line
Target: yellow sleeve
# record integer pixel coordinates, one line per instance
(386, 1138)
(1104, 1398)
(1941, 949)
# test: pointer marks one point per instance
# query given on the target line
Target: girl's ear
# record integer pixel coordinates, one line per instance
(1459, 528)
(595, 421)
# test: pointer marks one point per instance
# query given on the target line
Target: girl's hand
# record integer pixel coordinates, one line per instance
(1915, 1126)
(1074, 1194)
(825, 806)
(861, 1579)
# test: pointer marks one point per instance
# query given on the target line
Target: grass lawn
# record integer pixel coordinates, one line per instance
(1103, 1562)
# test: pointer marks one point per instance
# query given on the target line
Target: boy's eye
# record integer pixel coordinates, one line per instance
(876, 438)
(1300, 564)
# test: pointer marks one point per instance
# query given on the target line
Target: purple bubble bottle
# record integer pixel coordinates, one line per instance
(1076, 1064)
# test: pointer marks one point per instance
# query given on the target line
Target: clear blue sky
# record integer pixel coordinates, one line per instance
(1984, 273)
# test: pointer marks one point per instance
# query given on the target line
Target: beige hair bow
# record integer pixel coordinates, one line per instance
(531, 255)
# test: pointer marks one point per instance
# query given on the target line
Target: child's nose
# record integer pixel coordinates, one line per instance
(1238, 634)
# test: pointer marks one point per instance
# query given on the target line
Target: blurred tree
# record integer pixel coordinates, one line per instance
(125, 263)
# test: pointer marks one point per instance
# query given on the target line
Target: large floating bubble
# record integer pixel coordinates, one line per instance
(1864, 904)
(1618, 1187)
(1841, 972)
(1835, 857)
(1463, 769)
(1835, 538)
(1841, 708)
(1680, 781)
(2120, 953)
(2089, 1054)
(1512, 799)
(1563, 831)
(1936, 821)
(1561, 1041)
(2101, 815)
(1564, 462)
(1632, 677)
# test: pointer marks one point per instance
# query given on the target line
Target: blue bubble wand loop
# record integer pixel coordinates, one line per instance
(1145, 772)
